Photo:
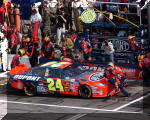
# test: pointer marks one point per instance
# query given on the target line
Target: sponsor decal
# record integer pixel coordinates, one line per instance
(131, 73)
(120, 45)
(96, 76)
(73, 88)
(94, 68)
(26, 77)
(101, 91)
(88, 16)
(94, 90)
(41, 89)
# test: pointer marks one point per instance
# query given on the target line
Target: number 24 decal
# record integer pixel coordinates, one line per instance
(52, 86)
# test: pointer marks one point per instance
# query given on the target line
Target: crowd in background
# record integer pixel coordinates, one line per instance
(61, 32)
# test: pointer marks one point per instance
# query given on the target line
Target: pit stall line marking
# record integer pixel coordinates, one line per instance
(4, 73)
(134, 101)
(73, 107)
(76, 117)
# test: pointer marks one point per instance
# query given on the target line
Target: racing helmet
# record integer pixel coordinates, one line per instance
(21, 52)
(46, 39)
(27, 39)
(111, 64)
(130, 37)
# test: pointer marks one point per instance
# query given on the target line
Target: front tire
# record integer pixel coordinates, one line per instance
(85, 91)
(30, 89)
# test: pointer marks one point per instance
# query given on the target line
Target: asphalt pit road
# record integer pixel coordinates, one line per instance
(51, 101)
(137, 105)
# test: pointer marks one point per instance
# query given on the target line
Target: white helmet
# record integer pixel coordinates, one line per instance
(1, 36)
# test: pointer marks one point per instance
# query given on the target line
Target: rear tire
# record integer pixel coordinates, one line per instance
(30, 89)
(85, 91)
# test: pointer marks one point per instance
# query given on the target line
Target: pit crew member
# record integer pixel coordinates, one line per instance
(112, 73)
(3, 51)
(86, 48)
(47, 50)
(16, 60)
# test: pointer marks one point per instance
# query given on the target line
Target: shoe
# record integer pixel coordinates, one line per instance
(129, 94)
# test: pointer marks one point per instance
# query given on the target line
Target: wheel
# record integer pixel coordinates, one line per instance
(85, 91)
(30, 89)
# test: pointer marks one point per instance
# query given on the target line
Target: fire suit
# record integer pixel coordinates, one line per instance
(122, 78)
(135, 49)
(111, 73)
(15, 62)
(145, 66)
(32, 52)
(3, 52)
(86, 48)
(47, 50)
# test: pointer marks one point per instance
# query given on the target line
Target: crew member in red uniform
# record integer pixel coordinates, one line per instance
(47, 50)
(16, 61)
(145, 65)
(13, 42)
(111, 74)
(135, 48)
(86, 48)
(121, 75)
(31, 48)
(116, 77)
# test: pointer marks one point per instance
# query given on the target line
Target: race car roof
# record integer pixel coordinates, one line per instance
(57, 64)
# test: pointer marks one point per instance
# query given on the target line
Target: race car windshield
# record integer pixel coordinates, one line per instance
(74, 71)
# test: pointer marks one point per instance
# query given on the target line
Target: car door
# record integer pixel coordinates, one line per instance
(59, 82)
(55, 80)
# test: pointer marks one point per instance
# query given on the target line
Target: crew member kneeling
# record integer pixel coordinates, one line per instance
(112, 73)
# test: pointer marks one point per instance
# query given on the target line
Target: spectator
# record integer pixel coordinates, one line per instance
(53, 6)
(66, 46)
(46, 22)
(36, 6)
(53, 10)
(36, 17)
(107, 46)
(60, 22)
(60, 6)
(68, 11)
(76, 12)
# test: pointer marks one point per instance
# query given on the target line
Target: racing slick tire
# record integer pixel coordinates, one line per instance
(30, 89)
(85, 91)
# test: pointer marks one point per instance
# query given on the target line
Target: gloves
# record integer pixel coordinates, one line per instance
(119, 76)
(28, 54)
(42, 54)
